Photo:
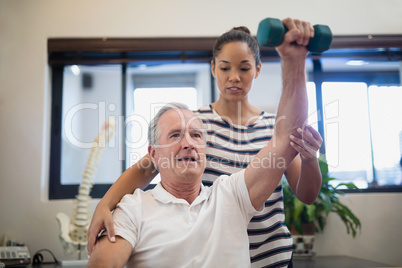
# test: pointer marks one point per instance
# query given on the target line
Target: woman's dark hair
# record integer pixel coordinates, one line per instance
(237, 34)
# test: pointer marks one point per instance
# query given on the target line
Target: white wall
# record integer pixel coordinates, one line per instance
(26, 214)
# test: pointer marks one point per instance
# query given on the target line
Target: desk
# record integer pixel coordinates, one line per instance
(315, 262)
(335, 262)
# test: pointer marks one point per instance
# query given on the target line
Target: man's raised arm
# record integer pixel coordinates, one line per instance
(265, 171)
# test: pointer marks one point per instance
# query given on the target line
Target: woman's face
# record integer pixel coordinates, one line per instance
(235, 70)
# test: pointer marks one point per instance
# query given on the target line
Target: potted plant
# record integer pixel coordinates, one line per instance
(299, 217)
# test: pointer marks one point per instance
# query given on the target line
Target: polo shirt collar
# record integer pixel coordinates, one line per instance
(164, 196)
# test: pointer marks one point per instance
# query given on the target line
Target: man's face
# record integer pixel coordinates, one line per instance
(180, 153)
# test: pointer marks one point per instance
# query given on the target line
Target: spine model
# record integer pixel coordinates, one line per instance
(73, 233)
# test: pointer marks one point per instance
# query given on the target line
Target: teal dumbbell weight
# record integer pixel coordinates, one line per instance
(271, 31)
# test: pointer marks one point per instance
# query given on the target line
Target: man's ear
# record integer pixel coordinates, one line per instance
(213, 68)
(151, 153)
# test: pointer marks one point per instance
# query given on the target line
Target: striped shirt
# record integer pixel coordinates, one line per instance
(229, 149)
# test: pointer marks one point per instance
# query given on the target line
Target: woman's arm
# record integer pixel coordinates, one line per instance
(138, 175)
(303, 174)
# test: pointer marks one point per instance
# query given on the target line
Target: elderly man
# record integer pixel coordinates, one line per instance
(181, 223)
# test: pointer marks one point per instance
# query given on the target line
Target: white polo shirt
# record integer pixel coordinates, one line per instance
(168, 232)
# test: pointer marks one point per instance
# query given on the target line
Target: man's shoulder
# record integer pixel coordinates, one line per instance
(229, 180)
(138, 195)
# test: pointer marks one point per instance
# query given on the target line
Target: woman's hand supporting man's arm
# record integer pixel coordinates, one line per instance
(138, 175)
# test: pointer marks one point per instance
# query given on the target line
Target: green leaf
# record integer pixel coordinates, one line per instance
(350, 220)
(298, 226)
(298, 208)
(310, 213)
(323, 167)
(321, 223)
(327, 201)
(348, 185)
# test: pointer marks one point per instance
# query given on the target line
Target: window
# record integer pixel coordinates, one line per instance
(90, 88)
(355, 108)
(362, 141)
(347, 132)
(385, 111)
(86, 97)
(91, 96)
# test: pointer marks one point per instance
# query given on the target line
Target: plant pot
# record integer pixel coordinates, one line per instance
(303, 244)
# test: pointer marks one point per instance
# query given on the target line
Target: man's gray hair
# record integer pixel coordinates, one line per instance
(153, 127)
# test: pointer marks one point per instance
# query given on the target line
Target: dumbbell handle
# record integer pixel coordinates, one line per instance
(271, 32)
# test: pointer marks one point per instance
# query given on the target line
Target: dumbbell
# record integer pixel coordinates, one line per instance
(271, 31)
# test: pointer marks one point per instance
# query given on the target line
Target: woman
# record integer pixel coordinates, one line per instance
(236, 131)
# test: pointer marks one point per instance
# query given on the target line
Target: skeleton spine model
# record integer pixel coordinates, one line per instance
(73, 233)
